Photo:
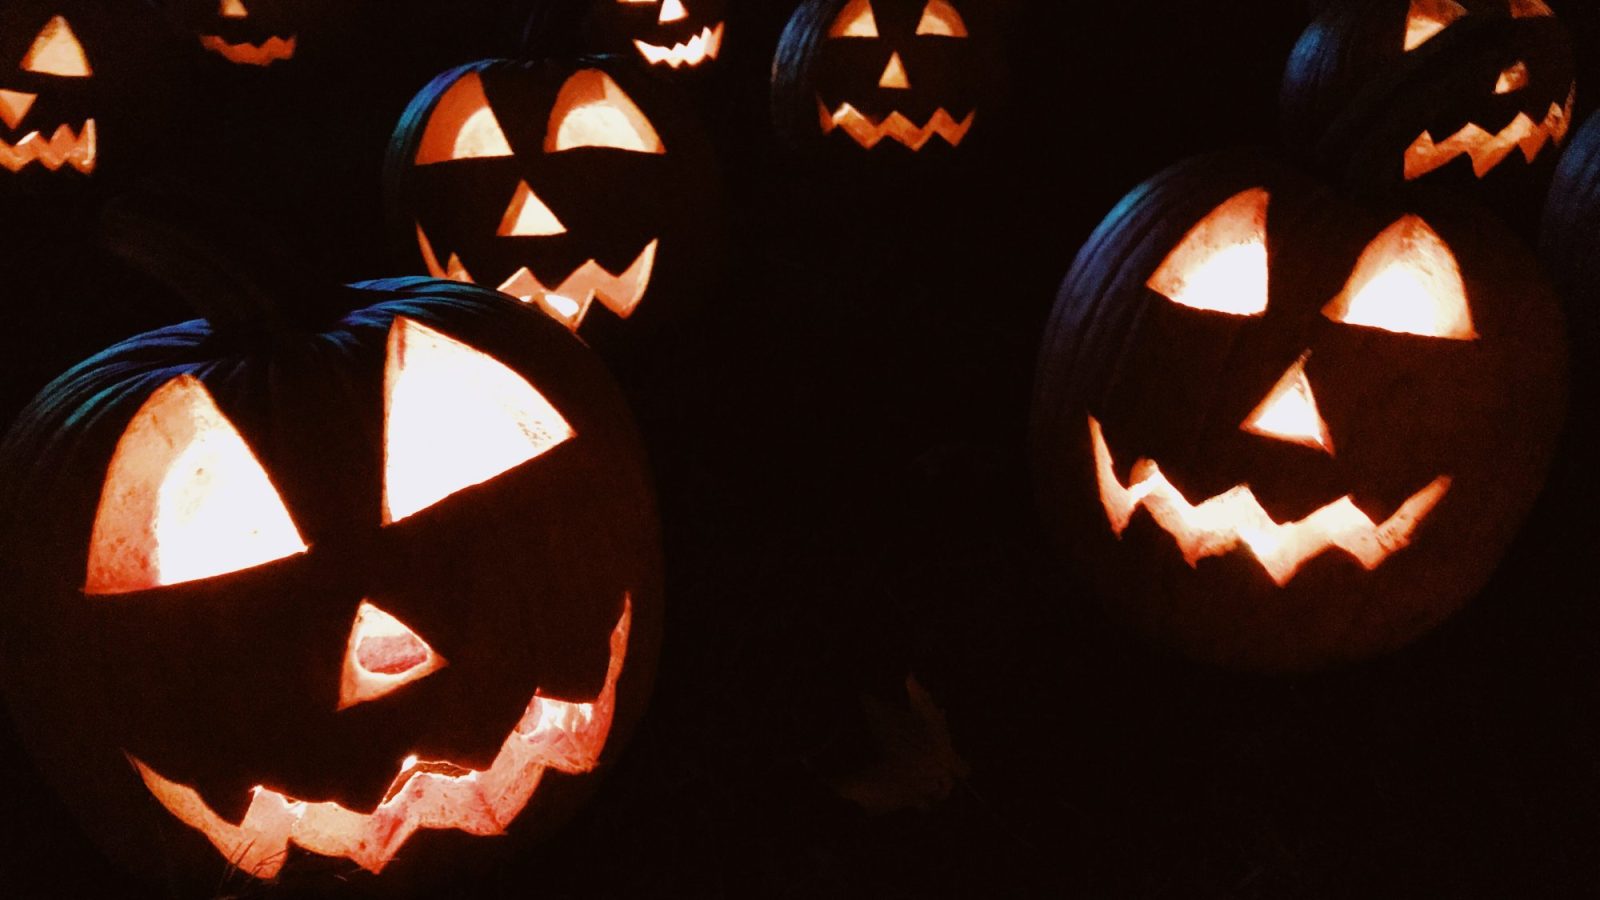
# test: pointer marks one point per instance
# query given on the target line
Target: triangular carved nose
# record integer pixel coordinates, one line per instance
(233, 9)
(1289, 412)
(528, 216)
(14, 106)
(382, 656)
(894, 75)
(673, 11)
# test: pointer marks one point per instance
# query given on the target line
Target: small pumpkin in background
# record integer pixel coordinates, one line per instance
(1279, 430)
(256, 35)
(884, 78)
(86, 88)
(670, 36)
(301, 599)
(1473, 94)
(582, 187)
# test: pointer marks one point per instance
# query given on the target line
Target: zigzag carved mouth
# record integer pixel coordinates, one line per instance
(64, 148)
(1235, 518)
(570, 302)
(703, 46)
(869, 132)
(266, 53)
(552, 734)
(1489, 150)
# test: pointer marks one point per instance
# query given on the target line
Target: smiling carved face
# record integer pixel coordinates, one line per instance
(556, 185)
(670, 35)
(45, 96)
(1311, 415)
(1428, 90)
(429, 617)
(913, 52)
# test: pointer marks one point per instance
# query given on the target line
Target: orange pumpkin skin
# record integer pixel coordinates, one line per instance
(1252, 463)
(534, 581)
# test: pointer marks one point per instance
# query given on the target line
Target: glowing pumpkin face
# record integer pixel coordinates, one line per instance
(1289, 431)
(882, 73)
(1405, 90)
(669, 35)
(428, 617)
(573, 189)
(258, 33)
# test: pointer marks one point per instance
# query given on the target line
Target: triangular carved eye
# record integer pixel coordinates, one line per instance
(592, 110)
(940, 18)
(184, 499)
(1221, 264)
(1427, 18)
(855, 21)
(454, 417)
(1408, 282)
(462, 126)
(56, 51)
(1530, 9)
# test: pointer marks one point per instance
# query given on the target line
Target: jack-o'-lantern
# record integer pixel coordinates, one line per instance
(668, 35)
(1280, 430)
(581, 188)
(293, 597)
(1474, 93)
(244, 32)
(77, 80)
(882, 76)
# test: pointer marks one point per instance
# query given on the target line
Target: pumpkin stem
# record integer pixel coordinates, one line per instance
(201, 254)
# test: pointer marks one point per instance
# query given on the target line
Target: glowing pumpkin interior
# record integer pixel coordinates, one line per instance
(1406, 281)
(186, 499)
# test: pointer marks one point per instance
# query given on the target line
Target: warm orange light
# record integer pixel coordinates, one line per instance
(1289, 412)
(1487, 149)
(1514, 78)
(1235, 519)
(453, 270)
(894, 75)
(672, 11)
(592, 110)
(184, 499)
(381, 657)
(855, 21)
(64, 148)
(56, 51)
(870, 132)
(272, 50)
(14, 106)
(552, 734)
(462, 126)
(454, 417)
(1529, 9)
(570, 301)
(528, 216)
(940, 18)
(696, 50)
(233, 9)
(1427, 18)
(1407, 281)
(1221, 264)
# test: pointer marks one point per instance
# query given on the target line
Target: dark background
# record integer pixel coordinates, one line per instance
(839, 448)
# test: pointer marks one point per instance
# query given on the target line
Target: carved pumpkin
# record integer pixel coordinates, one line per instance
(291, 598)
(79, 80)
(1279, 430)
(258, 33)
(668, 35)
(580, 188)
(882, 76)
(1477, 94)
